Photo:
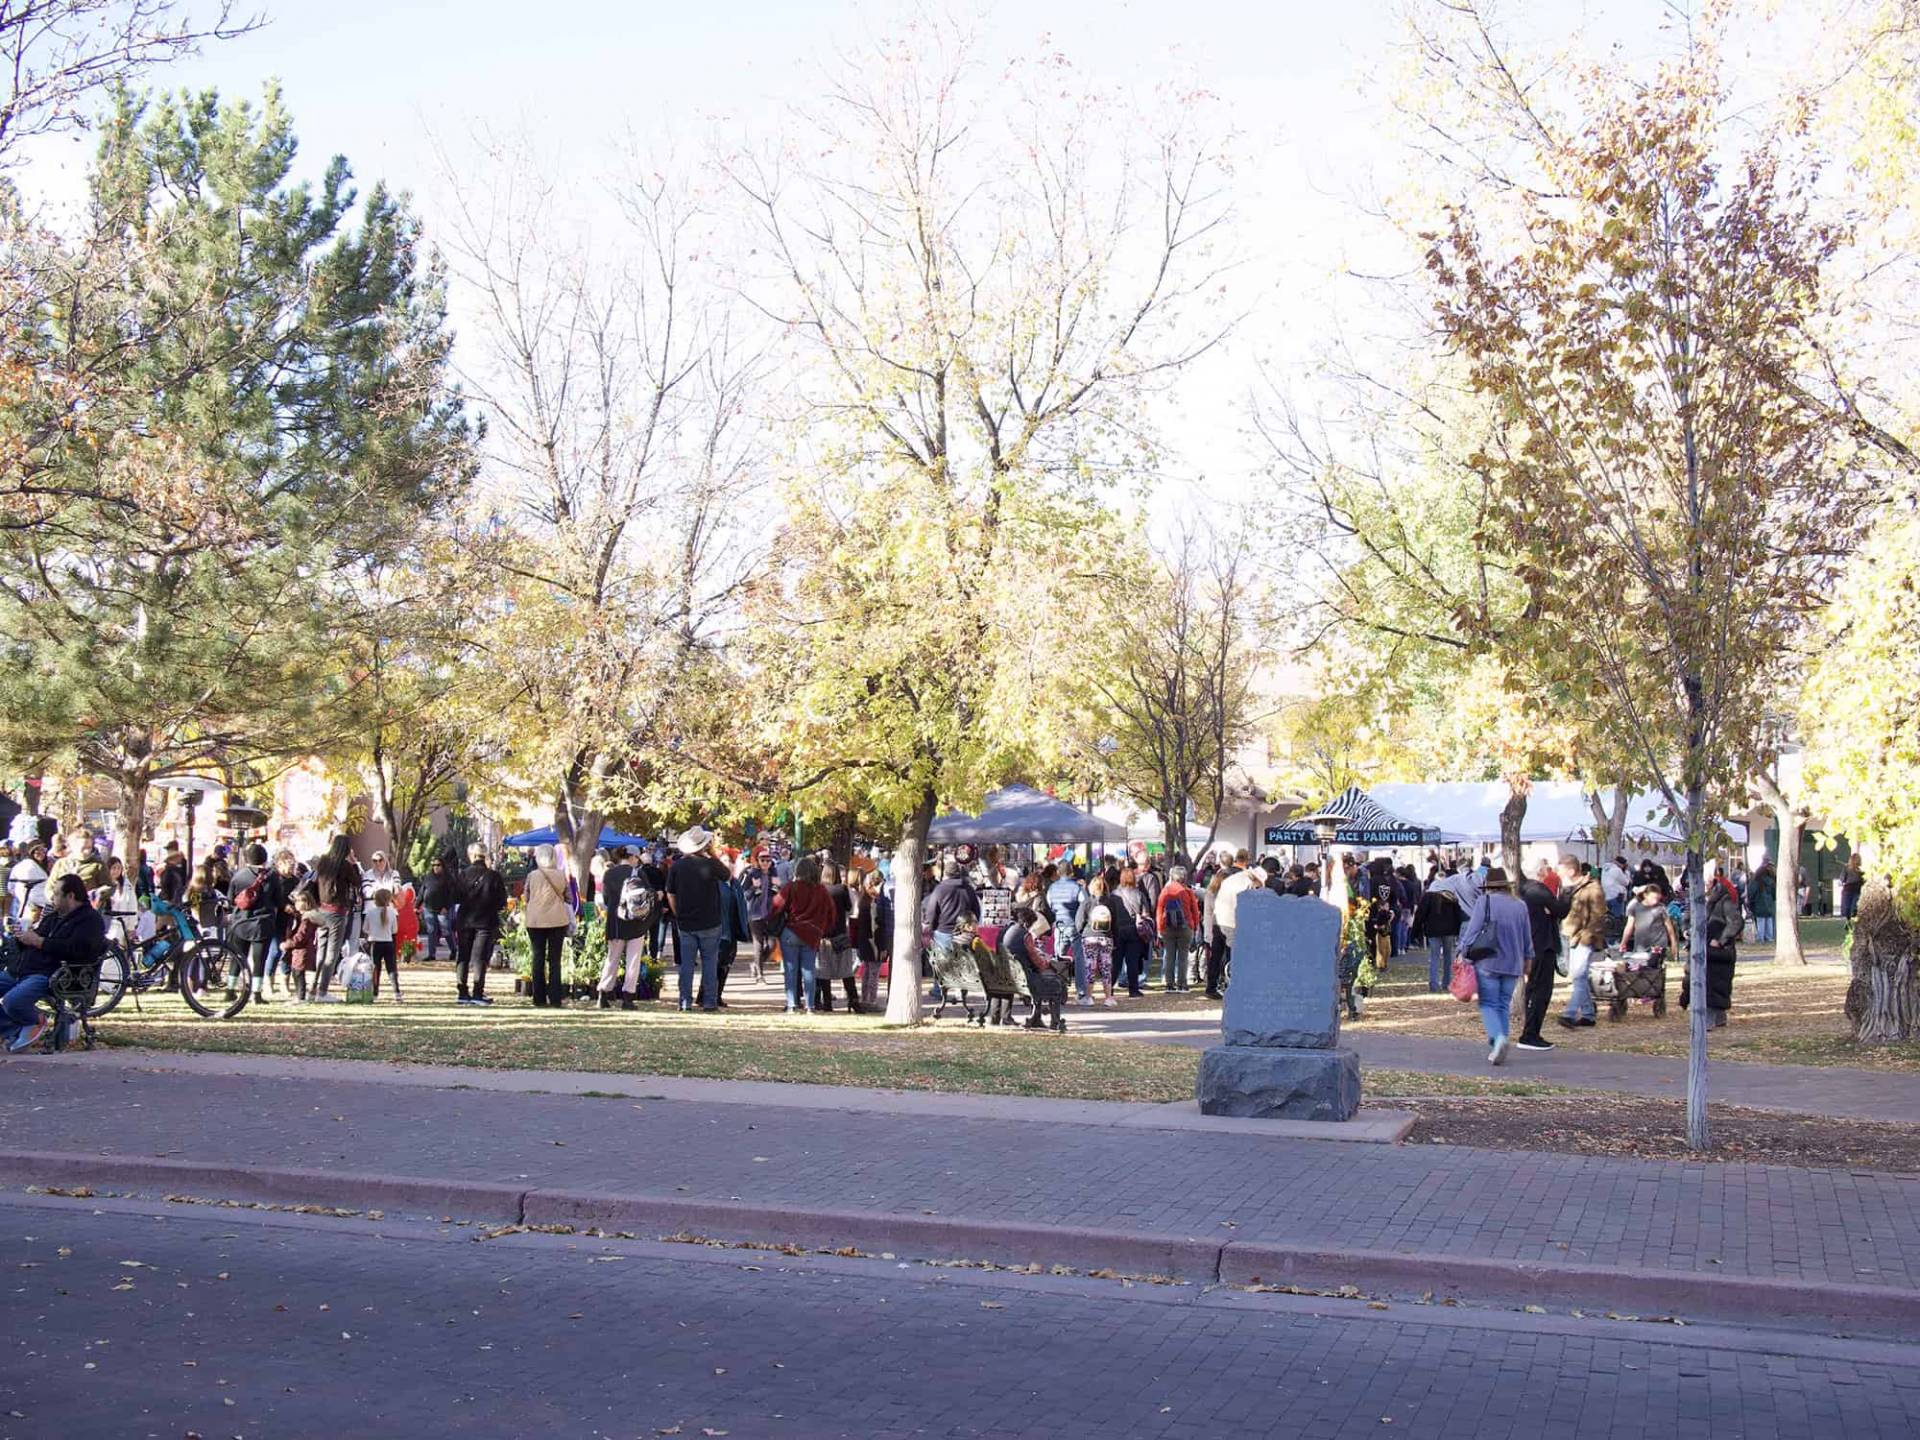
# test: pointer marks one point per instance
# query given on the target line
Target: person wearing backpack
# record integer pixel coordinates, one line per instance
(1178, 913)
(259, 896)
(1098, 919)
(631, 903)
(1065, 898)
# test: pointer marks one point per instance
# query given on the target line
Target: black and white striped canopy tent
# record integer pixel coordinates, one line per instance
(1367, 823)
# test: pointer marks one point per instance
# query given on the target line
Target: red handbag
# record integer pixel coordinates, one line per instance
(1465, 985)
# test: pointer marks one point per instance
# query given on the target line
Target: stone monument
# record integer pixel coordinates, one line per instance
(1280, 1056)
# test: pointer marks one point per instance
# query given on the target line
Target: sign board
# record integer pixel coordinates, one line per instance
(1295, 835)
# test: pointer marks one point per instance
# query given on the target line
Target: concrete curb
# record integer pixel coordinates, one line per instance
(923, 1237)
(465, 1199)
(1373, 1273)
(1593, 1288)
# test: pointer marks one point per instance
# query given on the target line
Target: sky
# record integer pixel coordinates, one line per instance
(1303, 83)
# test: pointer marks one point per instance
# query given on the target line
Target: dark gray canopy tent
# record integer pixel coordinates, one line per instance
(1021, 815)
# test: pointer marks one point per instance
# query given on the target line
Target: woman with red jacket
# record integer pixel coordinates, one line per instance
(806, 914)
(1177, 916)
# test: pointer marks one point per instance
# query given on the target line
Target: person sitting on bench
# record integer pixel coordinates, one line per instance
(72, 933)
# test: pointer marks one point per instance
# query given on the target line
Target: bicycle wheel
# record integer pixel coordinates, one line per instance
(114, 969)
(214, 979)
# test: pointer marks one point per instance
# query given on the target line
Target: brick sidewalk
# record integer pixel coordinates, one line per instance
(1842, 1092)
(1722, 1220)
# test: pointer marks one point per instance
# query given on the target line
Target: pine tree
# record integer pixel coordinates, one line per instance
(227, 400)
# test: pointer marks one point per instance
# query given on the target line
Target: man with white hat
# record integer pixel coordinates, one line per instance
(695, 900)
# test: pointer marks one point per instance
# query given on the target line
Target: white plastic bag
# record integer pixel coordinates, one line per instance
(357, 966)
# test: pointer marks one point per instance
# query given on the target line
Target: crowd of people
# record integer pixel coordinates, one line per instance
(1075, 932)
(1487, 936)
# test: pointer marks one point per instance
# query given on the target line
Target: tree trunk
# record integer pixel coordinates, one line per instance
(396, 846)
(133, 818)
(1610, 825)
(903, 988)
(1512, 815)
(1786, 890)
(1883, 1000)
(840, 832)
(1173, 826)
(579, 839)
(1697, 1136)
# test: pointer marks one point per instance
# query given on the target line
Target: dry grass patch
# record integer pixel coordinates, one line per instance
(751, 1041)
(1782, 1014)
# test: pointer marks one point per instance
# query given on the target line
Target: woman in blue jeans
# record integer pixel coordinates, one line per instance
(1500, 926)
(804, 912)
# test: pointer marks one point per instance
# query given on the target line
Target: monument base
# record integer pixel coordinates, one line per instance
(1269, 1083)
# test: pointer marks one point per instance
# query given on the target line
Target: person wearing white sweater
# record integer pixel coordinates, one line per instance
(378, 922)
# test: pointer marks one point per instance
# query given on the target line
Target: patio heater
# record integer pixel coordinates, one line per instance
(241, 818)
(191, 788)
(1326, 825)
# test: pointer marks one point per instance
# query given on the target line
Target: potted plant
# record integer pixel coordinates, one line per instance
(518, 951)
(580, 971)
(651, 972)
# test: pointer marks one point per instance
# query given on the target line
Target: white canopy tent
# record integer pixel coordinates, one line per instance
(1468, 812)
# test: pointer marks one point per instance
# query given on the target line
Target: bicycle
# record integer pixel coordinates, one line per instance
(207, 969)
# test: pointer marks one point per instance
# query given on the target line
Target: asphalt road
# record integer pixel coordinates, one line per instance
(130, 1320)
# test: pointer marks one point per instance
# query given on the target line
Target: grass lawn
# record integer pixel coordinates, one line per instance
(752, 1041)
(1782, 1014)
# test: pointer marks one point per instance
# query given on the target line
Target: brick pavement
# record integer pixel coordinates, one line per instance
(230, 1327)
(1724, 1220)
(1840, 1091)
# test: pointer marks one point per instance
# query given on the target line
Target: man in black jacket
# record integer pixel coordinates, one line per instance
(173, 875)
(483, 895)
(73, 933)
(952, 900)
(437, 902)
(1545, 911)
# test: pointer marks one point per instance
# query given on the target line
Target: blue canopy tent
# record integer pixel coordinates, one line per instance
(546, 835)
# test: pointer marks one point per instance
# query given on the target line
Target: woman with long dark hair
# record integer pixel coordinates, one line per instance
(336, 893)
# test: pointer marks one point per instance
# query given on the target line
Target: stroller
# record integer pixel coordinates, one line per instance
(1626, 975)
